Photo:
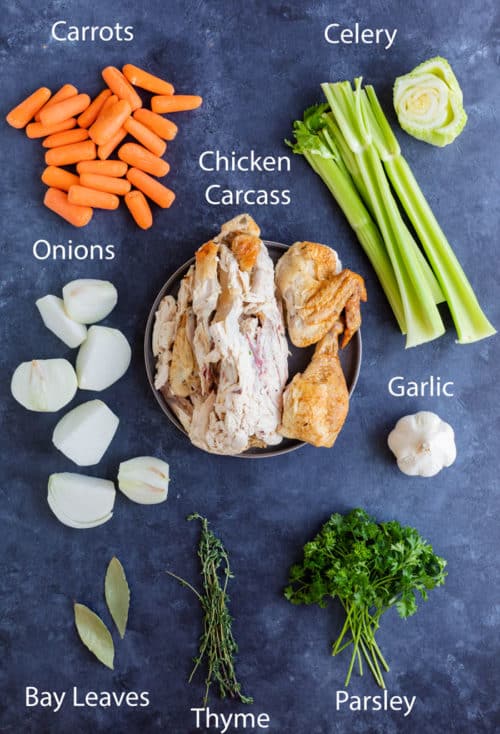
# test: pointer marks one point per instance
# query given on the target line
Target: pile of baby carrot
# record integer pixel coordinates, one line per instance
(85, 133)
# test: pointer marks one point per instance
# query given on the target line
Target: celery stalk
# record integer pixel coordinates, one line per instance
(422, 318)
(470, 321)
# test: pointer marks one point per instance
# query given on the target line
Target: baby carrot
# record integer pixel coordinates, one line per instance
(65, 138)
(164, 128)
(64, 110)
(139, 208)
(67, 154)
(57, 201)
(90, 115)
(104, 151)
(109, 122)
(66, 91)
(153, 189)
(175, 103)
(144, 135)
(27, 109)
(103, 168)
(109, 102)
(136, 155)
(59, 178)
(144, 80)
(105, 183)
(37, 130)
(120, 86)
(82, 196)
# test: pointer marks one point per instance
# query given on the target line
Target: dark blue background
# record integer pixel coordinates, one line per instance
(258, 65)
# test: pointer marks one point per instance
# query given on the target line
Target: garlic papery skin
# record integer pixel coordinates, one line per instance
(59, 323)
(84, 434)
(79, 501)
(44, 385)
(102, 359)
(423, 444)
(144, 480)
(88, 300)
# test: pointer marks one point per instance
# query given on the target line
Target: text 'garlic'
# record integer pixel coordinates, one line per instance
(84, 434)
(56, 319)
(88, 300)
(80, 501)
(144, 480)
(102, 359)
(44, 385)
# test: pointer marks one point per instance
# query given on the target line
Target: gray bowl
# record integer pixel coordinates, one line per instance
(350, 358)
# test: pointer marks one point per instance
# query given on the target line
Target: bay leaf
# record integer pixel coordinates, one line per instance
(117, 594)
(94, 634)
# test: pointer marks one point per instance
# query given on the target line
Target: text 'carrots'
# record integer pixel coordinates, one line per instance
(175, 103)
(139, 209)
(145, 80)
(58, 202)
(27, 109)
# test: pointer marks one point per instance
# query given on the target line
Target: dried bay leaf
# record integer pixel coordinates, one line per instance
(117, 594)
(94, 634)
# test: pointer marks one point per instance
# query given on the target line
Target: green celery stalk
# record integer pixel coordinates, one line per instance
(470, 321)
(422, 318)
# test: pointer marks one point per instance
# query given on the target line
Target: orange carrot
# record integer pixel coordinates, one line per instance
(153, 189)
(58, 202)
(37, 130)
(144, 80)
(27, 109)
(139, 208)
(90, 115)
(120, 86)
(109, 122)
(65, 138)
(81, 196)
(165, 129)
(59, 178)
(105, 183)
(138, 156)
(67, 154)
(104, 151)
(103, 168)
(66, 91)
(175, 103)
(64, 110)
(144, 135)
(108, 103)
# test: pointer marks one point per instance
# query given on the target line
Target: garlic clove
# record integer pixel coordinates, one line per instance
(102, 359)
(144, 480)
(84, 434)
(59, 323)
(88, 300)
(80, 501)
(44, 385)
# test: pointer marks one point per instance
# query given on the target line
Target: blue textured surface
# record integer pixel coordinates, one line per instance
(257, 64)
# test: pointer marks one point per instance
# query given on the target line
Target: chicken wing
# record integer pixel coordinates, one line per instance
(316, 402)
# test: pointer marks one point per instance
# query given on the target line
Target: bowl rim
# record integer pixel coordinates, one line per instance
(149, 361)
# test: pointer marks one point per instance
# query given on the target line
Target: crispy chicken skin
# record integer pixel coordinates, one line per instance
(316, 402)
(316, 291)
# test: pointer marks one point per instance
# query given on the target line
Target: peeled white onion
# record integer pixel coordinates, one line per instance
(80, 501)
(84, 434)
(44, 385)
(88, 300)
(56, 319)
(102, 359)
(144, 479)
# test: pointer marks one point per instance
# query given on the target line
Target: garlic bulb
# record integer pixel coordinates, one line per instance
(44, 385)
(102, 359)
(88, 300)
(144, 479)
(79, 501)
(423, 444)
(59, 323)
(84, 434)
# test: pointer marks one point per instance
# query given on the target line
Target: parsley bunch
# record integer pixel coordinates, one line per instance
(370, 567)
